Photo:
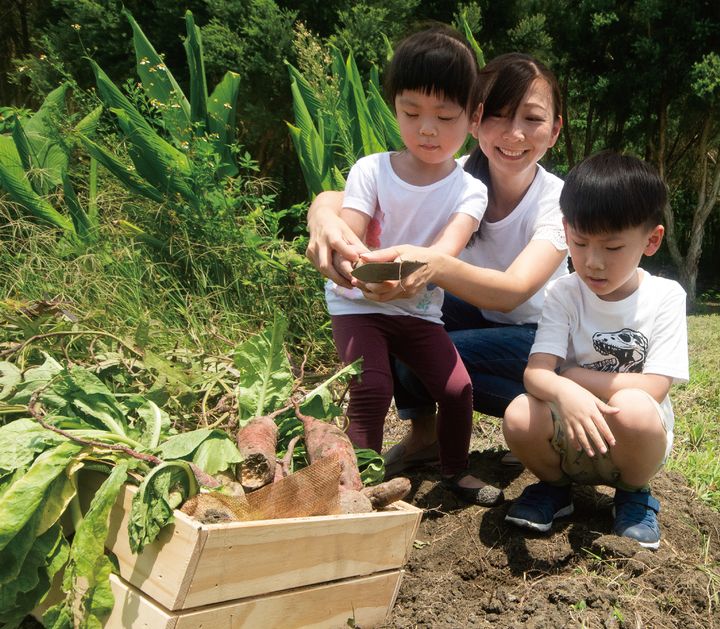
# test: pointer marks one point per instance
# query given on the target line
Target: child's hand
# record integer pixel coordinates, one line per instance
(583, 418)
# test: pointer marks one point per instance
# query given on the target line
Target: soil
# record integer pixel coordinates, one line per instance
(468, 568)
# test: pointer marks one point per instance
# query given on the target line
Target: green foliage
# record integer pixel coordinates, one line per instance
(337, 120)
(34, 162)
(332, 134)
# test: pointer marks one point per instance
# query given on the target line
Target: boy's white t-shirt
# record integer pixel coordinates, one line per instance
(403, 213)
(536, 217)
(644, 333)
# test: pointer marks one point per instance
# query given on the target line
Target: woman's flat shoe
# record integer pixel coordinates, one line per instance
(511, 460)
(485, 496)
(396, 461)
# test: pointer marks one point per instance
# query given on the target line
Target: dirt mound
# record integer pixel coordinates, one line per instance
(470, 569)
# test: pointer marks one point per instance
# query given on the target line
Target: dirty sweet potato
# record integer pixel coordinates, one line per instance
(324, 439)
(257, 441)
(388, 492)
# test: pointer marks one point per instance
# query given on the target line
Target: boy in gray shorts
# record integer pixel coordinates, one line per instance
(611, 341)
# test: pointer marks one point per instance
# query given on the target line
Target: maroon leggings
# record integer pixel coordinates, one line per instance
(427, 349)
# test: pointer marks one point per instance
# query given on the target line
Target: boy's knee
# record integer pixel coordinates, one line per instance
(638, 412)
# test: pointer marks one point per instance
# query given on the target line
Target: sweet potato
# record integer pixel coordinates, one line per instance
(323, 439)
(257, 441)
(388, 492)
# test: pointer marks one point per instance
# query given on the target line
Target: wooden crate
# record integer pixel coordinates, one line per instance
(367, 600)
(193, 564)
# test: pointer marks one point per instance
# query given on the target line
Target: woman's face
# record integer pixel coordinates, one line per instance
(514, 144)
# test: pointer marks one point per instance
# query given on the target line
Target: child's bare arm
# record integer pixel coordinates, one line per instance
(581, 412)
(456, 234)
(604, 385)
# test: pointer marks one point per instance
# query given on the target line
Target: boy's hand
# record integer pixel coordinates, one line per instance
(583, 418)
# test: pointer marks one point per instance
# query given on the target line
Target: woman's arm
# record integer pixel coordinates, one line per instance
(485, 288)
(329, 234)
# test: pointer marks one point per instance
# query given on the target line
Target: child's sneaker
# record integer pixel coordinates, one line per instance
(539, 505)
(636, 517)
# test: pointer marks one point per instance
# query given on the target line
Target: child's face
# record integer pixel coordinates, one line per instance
(514, 144)
(608, 262)
(432, 128)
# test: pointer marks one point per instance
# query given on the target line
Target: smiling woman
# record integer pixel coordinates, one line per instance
(495, 288)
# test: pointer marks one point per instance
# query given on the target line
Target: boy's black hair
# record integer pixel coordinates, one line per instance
(608, 192)
(437, 60)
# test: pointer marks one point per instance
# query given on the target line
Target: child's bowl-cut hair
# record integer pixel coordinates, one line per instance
(437, 60)
(608, 192)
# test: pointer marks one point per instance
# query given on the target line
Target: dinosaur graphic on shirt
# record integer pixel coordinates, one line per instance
(627, 350)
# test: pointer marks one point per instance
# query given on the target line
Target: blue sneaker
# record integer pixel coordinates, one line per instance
(539, 505)
(636, 517)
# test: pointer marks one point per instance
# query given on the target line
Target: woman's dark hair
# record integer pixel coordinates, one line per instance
(437, 60)
(609, 192)
(503, 83)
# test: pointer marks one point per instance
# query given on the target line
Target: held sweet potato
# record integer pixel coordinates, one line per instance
(257, 441)
(323, 439)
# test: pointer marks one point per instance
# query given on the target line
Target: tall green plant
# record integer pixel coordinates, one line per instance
(202, 125)
(34, 163)
(329, 135)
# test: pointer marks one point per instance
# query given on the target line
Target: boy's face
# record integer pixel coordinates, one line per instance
(607, 263)
(432, 128)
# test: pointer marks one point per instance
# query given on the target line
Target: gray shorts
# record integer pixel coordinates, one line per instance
(598, 470)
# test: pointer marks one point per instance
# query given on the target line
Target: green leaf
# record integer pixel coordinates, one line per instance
(10, 377)
(155, 423)
(129, 179)
(371, 466)
(26, 495)
(89, 599)
(364, 137)
(211, 450)
(85, 393)
(384, 119)
(83, 226)
(319, 402)
(88, 125)
(20, 442)
(217, 453)
(222, 121)
(305, 91)
(473, 42)
(196, 64)
(266, 378)
(35, 378)
(14, 181)
(160, 85)
(160, 163)
(20, 596)
(162, 490)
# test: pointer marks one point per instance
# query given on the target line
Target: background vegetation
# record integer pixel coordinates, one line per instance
(149, 184)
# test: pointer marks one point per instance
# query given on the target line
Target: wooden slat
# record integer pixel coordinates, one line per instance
(164, 569)
(366, 600)
(194, 564)
(250, 558)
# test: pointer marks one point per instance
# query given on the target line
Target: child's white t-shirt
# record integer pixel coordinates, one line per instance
(644, 333)
(536, 217)
(403, 213)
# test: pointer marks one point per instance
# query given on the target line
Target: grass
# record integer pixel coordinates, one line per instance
(696, 452)
(117, 287)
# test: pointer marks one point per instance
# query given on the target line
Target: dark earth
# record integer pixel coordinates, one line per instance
(469, 569)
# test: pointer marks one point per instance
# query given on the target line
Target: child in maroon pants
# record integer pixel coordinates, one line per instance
(420, 196)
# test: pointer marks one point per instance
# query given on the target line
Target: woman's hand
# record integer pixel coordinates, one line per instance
(333, 247)
(396, 289)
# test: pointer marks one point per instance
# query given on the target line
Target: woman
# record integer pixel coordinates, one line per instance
(495, 289)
